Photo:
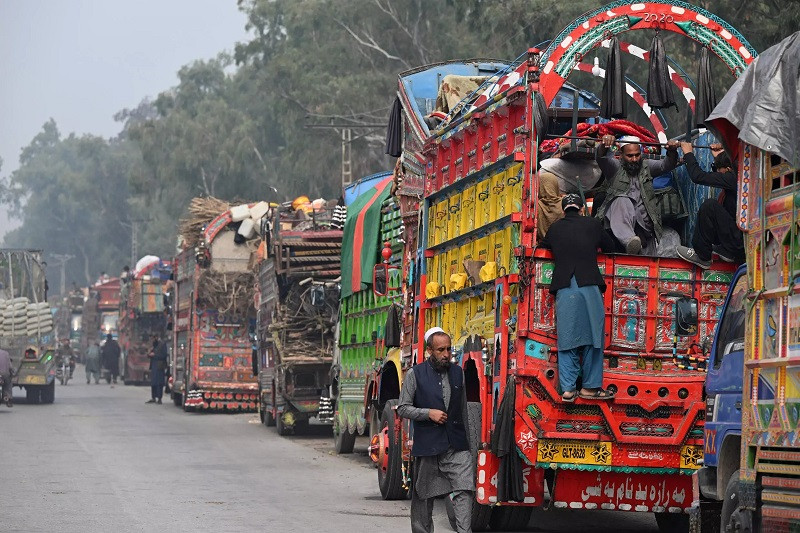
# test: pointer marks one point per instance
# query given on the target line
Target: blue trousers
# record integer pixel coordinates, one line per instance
(569, 364)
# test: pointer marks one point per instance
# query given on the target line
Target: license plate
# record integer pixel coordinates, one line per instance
(579, 452)
(35, 380)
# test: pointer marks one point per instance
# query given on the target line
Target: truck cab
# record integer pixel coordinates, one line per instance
(723, 423)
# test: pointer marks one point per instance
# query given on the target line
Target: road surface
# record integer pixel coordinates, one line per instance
(100, 459)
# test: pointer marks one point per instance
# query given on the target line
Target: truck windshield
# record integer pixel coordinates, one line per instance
(731, 327)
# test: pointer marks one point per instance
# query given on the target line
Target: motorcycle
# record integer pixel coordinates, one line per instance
(63, 373)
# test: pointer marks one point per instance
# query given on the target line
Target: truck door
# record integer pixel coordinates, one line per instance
(724, 381)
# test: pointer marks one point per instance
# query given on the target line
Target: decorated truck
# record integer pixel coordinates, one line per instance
(141, 316)
(373, 218)
(298, 275)
(213, 309)
(26, 324)
(100, 313)
(750, 479)
(477, 272)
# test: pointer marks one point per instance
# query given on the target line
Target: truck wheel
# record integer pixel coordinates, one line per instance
(177, 399)
(48, 393)
(672, 522)
(343, 440)
(269, 417)
(280, 425)
(509, 518)
(374, 423)
(390, 475)
(32, 394)
(729, 504)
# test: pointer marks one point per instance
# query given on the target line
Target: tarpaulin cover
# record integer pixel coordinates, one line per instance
(762, 107)
(454, 89)
(360, 246)
(613, 103)
(394, 132)
(706, 99)
(659, 84)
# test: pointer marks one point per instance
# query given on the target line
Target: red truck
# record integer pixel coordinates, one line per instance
(474, 269)
(214, 322)
(141, 315)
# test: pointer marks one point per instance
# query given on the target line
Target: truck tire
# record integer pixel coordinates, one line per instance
(283, 430)
(32, 394)
(177, 398)
(672, 522)
(343, 440)
(269, 418)
(374, 423)
(391, 480)
(48, 393)
(730, 502)
(510, 518)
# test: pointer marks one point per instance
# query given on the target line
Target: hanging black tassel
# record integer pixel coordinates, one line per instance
(613, 103)
(706, 100)
(659, 86)
(394, 133)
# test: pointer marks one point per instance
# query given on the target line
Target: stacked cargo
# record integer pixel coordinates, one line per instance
(22, 318)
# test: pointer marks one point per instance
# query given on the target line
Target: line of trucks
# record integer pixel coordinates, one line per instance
(308, 311)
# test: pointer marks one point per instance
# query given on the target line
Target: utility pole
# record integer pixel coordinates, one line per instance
(62, 262)
(347, 143)
(134, 226)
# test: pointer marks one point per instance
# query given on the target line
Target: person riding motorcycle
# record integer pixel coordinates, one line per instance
(65, 352)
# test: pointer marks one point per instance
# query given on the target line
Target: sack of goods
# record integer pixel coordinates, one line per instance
(39, 319)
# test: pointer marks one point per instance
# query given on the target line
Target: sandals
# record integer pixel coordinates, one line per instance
(597, 394)
(569, 396)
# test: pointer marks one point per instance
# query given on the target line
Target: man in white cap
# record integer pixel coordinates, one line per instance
(433, 397)
(630, 209)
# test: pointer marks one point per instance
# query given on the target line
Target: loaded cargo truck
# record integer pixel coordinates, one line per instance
(481, 277)
(373, 217)
(141, 316)
(298, 281)
(213, 310)
(750, 479)
(26, 330)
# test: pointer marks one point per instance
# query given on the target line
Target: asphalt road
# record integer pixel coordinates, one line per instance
(100, 459)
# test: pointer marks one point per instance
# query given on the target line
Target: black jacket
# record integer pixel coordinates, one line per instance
(727, 181)
(574, 241)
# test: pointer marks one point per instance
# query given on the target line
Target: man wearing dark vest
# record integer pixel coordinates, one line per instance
(434, 399)
(630, 209)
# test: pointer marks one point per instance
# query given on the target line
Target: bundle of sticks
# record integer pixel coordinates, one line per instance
(230, 293)
(201, 211)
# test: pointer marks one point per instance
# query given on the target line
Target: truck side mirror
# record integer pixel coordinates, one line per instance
(686, 317)
(380, 279)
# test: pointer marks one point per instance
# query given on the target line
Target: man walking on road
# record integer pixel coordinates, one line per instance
(111, 357)
(158, 364)
(93, 363)
(434, 398)
(5, 374)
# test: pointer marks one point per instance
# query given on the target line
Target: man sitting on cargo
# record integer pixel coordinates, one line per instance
(630, 209)
(716, 228)
(433, 396)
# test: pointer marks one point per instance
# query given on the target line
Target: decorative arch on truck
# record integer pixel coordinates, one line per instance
(591, 29)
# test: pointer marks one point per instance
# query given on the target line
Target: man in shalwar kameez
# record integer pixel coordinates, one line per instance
(433, 397)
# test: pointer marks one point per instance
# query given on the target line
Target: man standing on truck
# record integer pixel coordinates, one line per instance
(5, 375)
(434, 398)
(577, 285)
(630, 209)
(716, 220)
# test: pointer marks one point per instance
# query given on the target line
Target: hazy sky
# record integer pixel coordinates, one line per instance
(81, 61)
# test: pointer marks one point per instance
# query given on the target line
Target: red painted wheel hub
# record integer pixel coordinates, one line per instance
(379, 449)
